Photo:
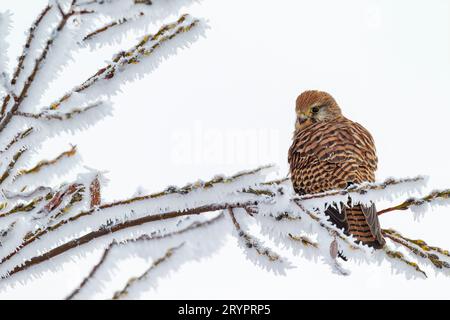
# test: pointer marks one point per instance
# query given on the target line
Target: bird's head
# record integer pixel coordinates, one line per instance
(315, 106)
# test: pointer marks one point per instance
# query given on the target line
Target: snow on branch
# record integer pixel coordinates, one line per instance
(246, 191)
(45, 115)
(18, 137)
(299, 223)
(30, 37)
(114, 26)
(133, 281)
(109, 26)
(107, 219)
(152, 244)
(122, 60)
(255, 250)
(24, 92)
(421, 205)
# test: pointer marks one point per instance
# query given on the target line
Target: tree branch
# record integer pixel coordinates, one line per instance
(30, 38)
(111, 25)
(11, 165)
(361, 189)
(93, 271)
(131, 56)
(38, 63)
(252, 243)
(154, 265)
(45, 115)
(19, 136)
(435, 195)
(112, 229)
(45, 163)
(416, 250)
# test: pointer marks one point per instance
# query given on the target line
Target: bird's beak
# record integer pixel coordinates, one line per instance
(302, 118)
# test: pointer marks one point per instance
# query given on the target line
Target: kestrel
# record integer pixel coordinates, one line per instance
(329, 152)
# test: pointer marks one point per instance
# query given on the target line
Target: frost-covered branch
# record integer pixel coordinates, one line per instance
(434, 198)
(39, 61)
(389, 185)
(45, 163)
(111, 25)
(240, 192)
(155, 264)
(93, 271)
(45, 115)
(250, 242)
(11, 165)
(419, 248)
(255, 250)
(30, 37)
(106, 230)
(19, 136)
(114, 245)
(133, 56)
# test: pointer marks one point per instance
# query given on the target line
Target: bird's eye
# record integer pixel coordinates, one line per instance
(315, 109)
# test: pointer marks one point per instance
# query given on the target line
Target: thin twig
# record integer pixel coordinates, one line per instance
(26, 195)
(250, 241)
(144, 237)
(19, 136)
(45, 163)
(304, 241)
(93, 271)
(111, 25)
(31, 35)
(399, 256)
(45, 115)
(419, 243)
(121, 293)
(434, 259)
(27, 207)
(147, 2)
(11, 165)
(435, 195)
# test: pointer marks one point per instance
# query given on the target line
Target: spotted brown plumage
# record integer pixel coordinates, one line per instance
(329, 152)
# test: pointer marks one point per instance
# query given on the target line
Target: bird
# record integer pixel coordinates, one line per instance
(329, 152)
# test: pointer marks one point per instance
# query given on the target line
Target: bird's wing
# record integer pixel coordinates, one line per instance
(336, 142)
(330, 155)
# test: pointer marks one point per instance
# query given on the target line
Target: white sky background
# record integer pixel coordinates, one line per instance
(387, 63)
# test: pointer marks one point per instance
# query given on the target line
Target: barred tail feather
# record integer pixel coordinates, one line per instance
(364, 225)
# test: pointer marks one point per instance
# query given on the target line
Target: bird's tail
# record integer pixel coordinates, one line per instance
(360, 221)
(363, 224)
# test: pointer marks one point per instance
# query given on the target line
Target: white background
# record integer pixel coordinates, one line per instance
(386, 63)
